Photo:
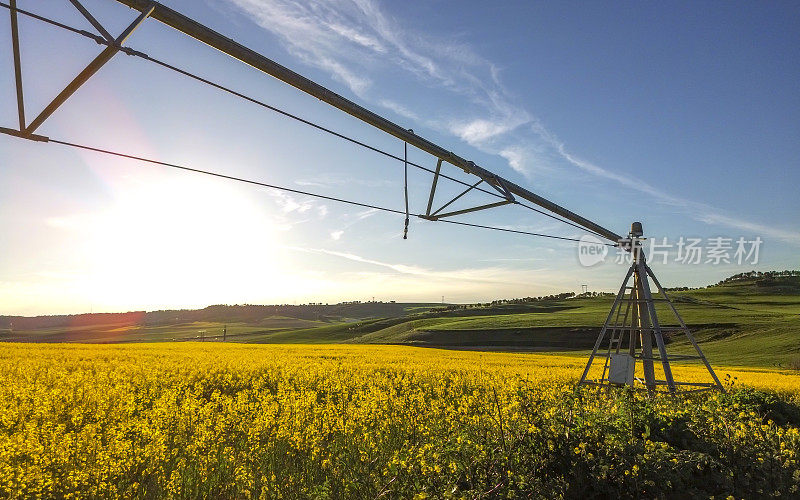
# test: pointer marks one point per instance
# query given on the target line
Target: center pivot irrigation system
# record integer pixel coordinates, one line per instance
(632, 324)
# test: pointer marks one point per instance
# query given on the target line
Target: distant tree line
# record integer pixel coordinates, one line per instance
(759, 275)
(251, 313)
(594, 294)
(71, 320)
(246, 313)
(525, 300)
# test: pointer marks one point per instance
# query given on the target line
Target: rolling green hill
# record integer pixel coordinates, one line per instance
(745, 320)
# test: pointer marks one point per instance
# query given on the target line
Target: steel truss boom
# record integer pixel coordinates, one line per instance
(200, 32)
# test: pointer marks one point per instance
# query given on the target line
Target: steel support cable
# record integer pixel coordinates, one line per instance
(346, 138)
(296, 191)
(405, 186)
(55, 23)
(132, 52)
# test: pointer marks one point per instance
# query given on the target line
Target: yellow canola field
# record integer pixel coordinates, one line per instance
(298, 421)
(320, 358)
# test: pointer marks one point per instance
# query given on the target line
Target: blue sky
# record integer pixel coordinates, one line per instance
(681, 115)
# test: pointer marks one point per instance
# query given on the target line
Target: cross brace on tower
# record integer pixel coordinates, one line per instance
(633, 326)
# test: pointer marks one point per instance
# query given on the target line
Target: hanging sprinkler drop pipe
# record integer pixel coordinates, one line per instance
(405, 183)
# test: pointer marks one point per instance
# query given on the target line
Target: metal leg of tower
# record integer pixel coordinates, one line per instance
(600, 337)
(685, 329)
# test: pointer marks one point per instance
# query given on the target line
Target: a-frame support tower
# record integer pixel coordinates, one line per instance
(633, 327)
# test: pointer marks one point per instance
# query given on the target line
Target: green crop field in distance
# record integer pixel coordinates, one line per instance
(749, 322)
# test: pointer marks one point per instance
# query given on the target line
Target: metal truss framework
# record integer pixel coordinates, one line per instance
(631, 334)
(146, 8)
(496, 182)
(639, 309)
(113, 46)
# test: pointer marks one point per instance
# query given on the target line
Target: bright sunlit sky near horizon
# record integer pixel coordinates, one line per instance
(683, 115)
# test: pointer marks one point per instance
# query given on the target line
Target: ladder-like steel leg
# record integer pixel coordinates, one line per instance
(617, 334)
(602, 335)
(641, 327)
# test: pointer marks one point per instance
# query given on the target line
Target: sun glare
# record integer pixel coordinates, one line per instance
(187, 242)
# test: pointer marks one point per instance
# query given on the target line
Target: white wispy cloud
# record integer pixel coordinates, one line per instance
(476, 132)
(358, 43)
(698, 211)
(399, 109)
(487, 275)
(400, 268)
(516, 159)
(354, 38)
(366, 213)
(351, 220)
(288, 203)
(293, 210)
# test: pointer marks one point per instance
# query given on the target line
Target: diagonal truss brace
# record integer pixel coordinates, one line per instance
(17, 63)
(114, 46)
(94, 22)
(493, 181)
